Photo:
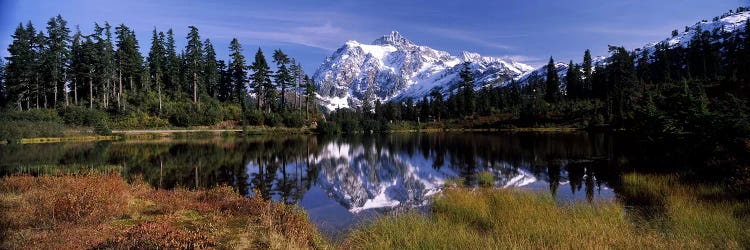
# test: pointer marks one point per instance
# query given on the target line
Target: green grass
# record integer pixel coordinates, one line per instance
(486, 179)
(699, 215)
(486, 218)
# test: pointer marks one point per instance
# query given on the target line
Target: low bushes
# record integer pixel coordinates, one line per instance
(139, 120)
(15, 125)
(104, 211)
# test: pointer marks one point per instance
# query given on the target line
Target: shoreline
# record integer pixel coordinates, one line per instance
(157, 133)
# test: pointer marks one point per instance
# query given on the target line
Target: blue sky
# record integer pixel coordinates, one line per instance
(527, 30)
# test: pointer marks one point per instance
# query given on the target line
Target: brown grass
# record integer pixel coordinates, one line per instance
(103, 211)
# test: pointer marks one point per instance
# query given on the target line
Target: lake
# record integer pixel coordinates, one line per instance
(343, 180)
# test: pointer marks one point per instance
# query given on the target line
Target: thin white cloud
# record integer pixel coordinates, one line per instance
(466, 36)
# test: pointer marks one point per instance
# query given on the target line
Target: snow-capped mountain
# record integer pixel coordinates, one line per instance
(730, 22)
(393, 68)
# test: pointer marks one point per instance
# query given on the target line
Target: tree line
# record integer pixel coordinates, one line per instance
(661, 89)
(104, 71)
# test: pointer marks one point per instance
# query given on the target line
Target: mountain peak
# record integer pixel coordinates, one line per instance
(394, 38)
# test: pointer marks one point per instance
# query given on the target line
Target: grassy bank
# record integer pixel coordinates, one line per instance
(104, 211)
(90, 138)
(487, 218)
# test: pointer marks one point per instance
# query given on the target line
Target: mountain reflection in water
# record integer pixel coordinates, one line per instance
(344, 179)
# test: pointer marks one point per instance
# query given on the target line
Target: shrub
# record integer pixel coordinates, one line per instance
(349, 126)
(294, 119)
(15, 130)
(139, 119)
(253, 117)
(486, 179)
(273, 119)
(48, 200)
(33, 115)
(81, 116)
(369, 126)
(328, 128)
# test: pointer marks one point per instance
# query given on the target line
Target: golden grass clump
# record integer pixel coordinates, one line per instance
(487, 218)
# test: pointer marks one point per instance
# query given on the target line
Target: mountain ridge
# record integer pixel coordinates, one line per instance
(393, 67)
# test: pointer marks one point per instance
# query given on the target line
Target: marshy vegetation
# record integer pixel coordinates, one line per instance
(488, 218)
(104, 211)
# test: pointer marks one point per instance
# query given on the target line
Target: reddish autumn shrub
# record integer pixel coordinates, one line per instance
(162, 234)
(47, 200)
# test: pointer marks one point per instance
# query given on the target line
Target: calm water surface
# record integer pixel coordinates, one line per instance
(342, 180)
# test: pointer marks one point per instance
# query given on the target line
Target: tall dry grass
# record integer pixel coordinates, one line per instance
(486, 218)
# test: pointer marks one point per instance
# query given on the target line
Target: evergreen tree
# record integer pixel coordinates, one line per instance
(622, 84)
(573, 81)
(283, 76)
(89, 56)
(224, 87)
(57, 56)
(238, 75)
(193, 57)
(40, 85)
(298, 79)
(3, 92)
(586, 85)
(437, 104)
(643, 68)
(466, 88)
(552, 83)
(264, 90)
(172, 66)
(104, 62)
(156, 62)
(210, 71)
(20, 67)
(310, 91)
(77, 64)
(128, 60)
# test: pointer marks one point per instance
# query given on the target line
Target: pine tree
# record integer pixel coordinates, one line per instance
(573, 81)
(104, 62)
(20, 67)
(58, 55)
(643, 70)
(224, 86)
(88, 70)
(77, 63)
(310, 91)
(3, 92)
(156, 61)
(172, 66)
(552, 83)
(237, 72)
(262, 82)
(283, 77)
(621, 82)
(210, 71)
(587, 74)
(128, 60)
(437, 104)
(39, 49)
(466, 88)
(193, 57)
